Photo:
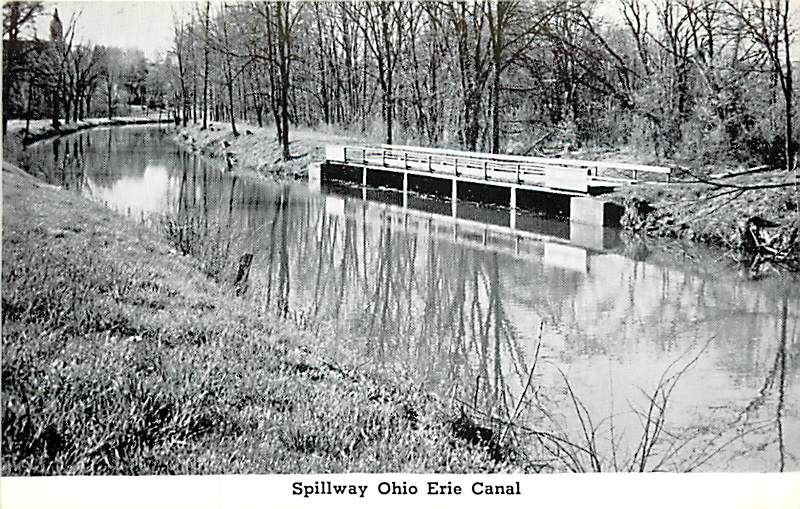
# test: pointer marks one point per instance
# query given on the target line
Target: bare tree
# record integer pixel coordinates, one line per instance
(768, 24)
(385, 29)
(180, 40)
(206, 50)
(228, 72)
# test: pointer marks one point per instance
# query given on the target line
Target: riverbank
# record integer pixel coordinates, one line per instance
(718, 214)
(121, 357)
(257, 150)
(754, 217)
(16, 138)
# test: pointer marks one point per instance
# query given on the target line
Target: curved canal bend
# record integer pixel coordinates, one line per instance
(459, 308)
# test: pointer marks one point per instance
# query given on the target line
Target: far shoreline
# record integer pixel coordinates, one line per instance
(650, 211)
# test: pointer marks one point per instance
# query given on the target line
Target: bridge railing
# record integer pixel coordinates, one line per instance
(574, 174)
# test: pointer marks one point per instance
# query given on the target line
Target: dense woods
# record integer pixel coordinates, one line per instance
(695, 81)
(706, 81)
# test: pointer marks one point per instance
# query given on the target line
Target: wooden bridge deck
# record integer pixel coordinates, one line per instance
(564, 176)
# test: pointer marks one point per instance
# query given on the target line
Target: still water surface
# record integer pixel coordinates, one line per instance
(459, 305)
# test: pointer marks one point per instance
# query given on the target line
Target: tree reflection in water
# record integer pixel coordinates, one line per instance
(458, 307)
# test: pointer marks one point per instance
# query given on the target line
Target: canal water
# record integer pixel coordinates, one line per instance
(612, 329)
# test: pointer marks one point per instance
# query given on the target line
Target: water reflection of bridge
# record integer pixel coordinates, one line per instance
(532, 237)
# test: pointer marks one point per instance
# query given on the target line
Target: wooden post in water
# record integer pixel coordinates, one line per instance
(243, 273)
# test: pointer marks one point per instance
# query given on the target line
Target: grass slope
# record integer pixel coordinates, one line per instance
(256, 148)
(120, 357)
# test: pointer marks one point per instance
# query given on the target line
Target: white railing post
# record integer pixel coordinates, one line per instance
(405, 160)
(518, 169)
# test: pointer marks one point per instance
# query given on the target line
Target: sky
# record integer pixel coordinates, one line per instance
(142, 24)
(146, 24)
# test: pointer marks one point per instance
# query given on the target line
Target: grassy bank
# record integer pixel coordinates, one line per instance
(257, 150)
(748, 215)
(121, 357)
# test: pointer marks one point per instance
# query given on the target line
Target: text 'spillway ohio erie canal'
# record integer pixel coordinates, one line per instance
(430, 237)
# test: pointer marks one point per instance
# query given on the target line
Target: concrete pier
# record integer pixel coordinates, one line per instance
(594, 211)
(315, 176)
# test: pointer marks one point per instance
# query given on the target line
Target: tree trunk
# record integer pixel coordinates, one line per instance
(229, 75)
(284, 69)
(55, 111)
(496, 110)
(788, 91)
(110, 97)
(28, 108)
(205, 68)
(67, 109)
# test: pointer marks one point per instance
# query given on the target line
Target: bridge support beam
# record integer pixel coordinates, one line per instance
(364, 176)
(512, 222)
(454, 198)
(588, 210)
(405, 189)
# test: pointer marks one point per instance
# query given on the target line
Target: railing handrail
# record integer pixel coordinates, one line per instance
(552, 173)
(530, 160)
(456, 162)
